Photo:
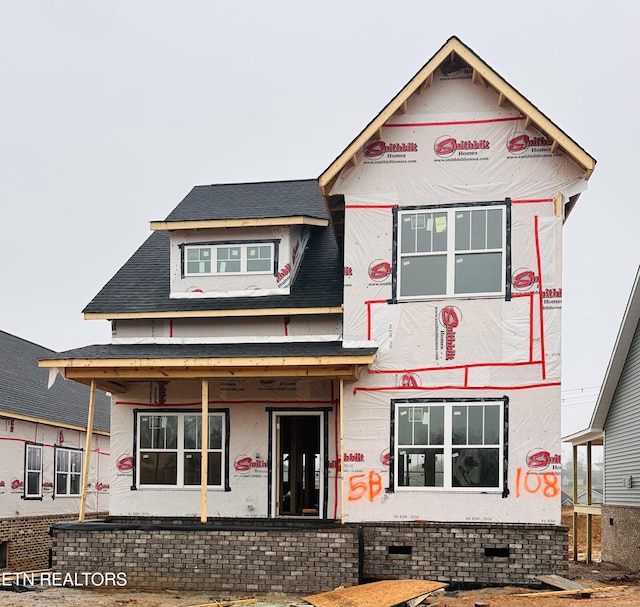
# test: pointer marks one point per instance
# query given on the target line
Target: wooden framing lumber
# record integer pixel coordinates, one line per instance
(173, 314)
(86, 460)
(238, 223)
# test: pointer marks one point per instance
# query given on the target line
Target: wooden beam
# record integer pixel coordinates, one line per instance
(477, 78)
(346, 372)
(589, 521)
(212, 313)
(204, 451)
(501, 99)
(569, 592)
(574, 531)
(428, 81)
(595, 509)
(87, 452)
(238, 223)
(557, 205)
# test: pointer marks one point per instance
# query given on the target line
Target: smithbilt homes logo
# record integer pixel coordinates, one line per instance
(245, 464)
(379, 151)
(450, 148)
(528, 147)
(379, 270)
(449, 317)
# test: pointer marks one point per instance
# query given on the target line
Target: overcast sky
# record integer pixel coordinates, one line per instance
(111, 111)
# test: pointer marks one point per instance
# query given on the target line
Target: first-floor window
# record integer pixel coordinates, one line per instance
(68, 471)
(33, 471)
(449, 444)
(170, 452)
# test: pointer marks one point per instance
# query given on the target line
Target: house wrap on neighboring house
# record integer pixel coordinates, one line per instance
(43, 454)
(616, 425)
(375, 353)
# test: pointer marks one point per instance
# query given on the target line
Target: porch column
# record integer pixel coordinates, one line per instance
(87, 451)
(575, 503)
(341, 455)
(589, 515)
(204, 459)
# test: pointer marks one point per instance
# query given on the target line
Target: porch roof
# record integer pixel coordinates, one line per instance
(112, 366)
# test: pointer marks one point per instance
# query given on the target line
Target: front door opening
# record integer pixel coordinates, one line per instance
(299, 465)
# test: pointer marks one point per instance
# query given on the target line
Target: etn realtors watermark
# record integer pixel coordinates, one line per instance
(79, 579)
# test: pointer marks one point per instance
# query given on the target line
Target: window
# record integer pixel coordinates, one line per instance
(170, 449)
(449, 445)
(68, 471)
(229, 258)
(32, 471)
(451, 251)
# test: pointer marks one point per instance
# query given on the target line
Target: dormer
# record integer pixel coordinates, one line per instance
(225, 243)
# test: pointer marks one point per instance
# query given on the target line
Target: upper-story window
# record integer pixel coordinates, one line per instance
(451, 251)
(229, 258)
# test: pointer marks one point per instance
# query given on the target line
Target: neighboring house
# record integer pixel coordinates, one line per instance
(596, 497)
(566, 499)
(375, 357)
(615, 421)
(42, 454)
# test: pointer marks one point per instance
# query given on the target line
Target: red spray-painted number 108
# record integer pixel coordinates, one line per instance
(530, 482)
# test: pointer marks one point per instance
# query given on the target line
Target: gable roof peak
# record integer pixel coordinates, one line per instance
(453, 51)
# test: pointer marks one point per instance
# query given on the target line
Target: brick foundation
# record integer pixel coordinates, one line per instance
(621, 536)
(490, 554)
(306, 556)
(28, 539)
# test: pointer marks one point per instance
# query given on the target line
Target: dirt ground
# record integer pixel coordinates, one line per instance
(595, 575)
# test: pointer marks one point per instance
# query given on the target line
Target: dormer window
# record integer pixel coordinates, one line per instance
(206, 259)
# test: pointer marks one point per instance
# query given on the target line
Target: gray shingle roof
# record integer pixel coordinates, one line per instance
(233, 350)
(23, 387)
(251, 200)
(142, 284)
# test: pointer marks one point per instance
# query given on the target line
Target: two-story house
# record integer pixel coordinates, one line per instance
(375, 356)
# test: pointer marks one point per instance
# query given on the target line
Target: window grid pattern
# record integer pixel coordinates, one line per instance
(455, 251)
(449, 446)
(242, 258)
(170, 449)
(68, 471)
(33, 471)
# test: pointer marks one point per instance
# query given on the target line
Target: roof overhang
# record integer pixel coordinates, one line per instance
(245, 312)
(595, 436)
(112, 373)
(254, 222)
(48, 422)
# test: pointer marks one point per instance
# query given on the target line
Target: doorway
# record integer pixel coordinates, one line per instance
(299, 457)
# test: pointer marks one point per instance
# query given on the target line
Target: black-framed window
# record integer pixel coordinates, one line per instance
(452, 250)
(168, 448)
(68, 471)
(449, 444)
(229, 257)
(32, 471)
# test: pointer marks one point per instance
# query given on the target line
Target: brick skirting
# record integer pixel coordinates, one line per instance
(621, 535)
(306, 556)
(28, 541)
